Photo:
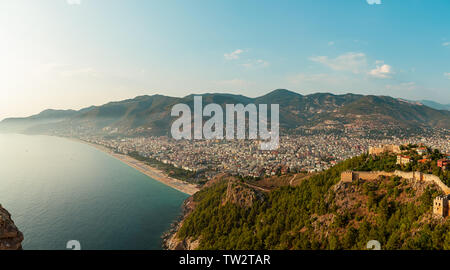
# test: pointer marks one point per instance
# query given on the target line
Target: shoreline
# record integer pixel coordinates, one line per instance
(151, 172)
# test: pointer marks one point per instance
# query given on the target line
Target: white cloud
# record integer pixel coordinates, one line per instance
(313, 79)
(331, 43)
(63, 70)
(351, 61)
(262, 62)
(233, 55)
(407, 86)
(381, 71)
(256, 64)
(447, 74)
(235, 83)
(325, 82)
(89, 71)
(74, 2)
(446, 44)
(356, 63)
(371, 2)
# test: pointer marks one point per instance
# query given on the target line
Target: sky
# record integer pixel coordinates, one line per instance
(70, 54)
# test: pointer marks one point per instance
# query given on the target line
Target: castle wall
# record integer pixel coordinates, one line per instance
(406, 175)
(376, 151)
(371, 175)
(347, 177)
(417, 176)
(373, 150)
(441, 206)
(437, 181)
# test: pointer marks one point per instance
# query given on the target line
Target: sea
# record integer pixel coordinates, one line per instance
(61, 192)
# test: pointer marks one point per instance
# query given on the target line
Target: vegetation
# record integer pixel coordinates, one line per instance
(308, 217)
(428, 165)
(171, 170)
(147, 115)
(388, 163)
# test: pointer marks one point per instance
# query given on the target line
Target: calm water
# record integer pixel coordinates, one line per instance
(59, 190)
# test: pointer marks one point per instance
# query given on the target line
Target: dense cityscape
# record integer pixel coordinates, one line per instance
(243, 157)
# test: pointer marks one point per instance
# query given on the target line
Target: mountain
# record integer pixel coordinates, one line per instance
(45, 117)
(320, 112)
(435, 105)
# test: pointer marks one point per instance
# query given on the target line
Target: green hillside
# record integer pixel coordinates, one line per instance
(321, 213)
(150, 115)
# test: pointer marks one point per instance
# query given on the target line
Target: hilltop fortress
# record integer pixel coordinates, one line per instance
(440, 204)
(388, 148)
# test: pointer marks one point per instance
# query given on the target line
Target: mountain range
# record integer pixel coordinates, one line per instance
(435, 105)
(150, 115)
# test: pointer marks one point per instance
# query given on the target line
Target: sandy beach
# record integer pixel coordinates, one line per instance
(151, 172)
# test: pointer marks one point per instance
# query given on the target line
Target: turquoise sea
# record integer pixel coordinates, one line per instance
(59, 190)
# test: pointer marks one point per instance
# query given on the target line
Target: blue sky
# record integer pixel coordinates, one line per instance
(75, 53)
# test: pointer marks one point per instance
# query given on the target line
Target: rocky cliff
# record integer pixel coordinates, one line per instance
(240, 194)
(234, 192)
(170, 238)
(10, 237)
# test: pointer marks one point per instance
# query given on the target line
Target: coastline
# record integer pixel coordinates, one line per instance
(151, 172)
(169, 238)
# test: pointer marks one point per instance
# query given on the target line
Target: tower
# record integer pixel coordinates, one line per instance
(347, 176)
(440, 206)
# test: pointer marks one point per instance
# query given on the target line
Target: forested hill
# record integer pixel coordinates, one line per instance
(150, 115)
(319, 213)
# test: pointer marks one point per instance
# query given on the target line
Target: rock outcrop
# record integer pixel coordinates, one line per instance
(237, 193)
(10, 237)
(170, 238)
(241, 195)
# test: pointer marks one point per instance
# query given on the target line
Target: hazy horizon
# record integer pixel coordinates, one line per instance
(72, 54)
(202, 93)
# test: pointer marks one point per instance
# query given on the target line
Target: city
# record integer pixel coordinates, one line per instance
(243, 158)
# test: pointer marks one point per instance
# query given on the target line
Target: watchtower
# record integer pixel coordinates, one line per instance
(440, 206)
(347, 176)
